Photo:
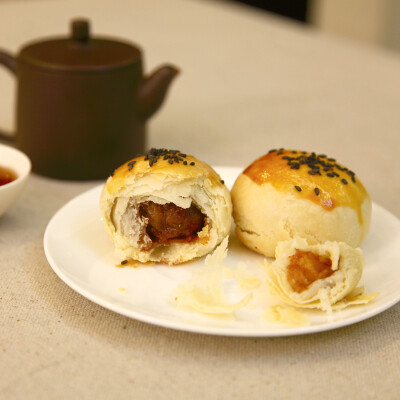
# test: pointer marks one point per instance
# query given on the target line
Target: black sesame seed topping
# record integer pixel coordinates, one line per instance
(124, 262)
(351, 173)
(131, 164)
(340, 167)
(192, 163)
(222, 181)
(317, 164)
(316, 190)
(153, 155)
(298, 188)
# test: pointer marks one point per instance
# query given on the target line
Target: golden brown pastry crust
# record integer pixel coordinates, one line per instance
(162, 177)
(286, 194)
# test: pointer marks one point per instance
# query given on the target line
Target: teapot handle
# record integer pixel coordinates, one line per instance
(9, 62)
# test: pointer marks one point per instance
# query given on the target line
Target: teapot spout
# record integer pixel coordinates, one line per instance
(153, 89)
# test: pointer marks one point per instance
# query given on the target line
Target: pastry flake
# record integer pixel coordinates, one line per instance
(323, 276)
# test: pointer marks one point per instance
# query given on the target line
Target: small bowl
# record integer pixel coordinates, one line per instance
(19, 163)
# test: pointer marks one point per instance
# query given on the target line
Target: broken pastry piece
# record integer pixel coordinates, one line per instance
(165, 206)
(322, 276)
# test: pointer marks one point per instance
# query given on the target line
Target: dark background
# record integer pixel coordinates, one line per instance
(295, 9)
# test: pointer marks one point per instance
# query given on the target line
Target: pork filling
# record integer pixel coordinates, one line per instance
(168, 223)
(306, 267)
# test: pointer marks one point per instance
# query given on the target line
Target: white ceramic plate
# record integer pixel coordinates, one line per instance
(82, 255)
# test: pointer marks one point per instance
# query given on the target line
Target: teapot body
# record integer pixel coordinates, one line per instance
(78, 125)
(82, 103)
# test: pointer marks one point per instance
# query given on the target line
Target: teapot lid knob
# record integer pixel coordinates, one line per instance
(80, 30)
(81, 51)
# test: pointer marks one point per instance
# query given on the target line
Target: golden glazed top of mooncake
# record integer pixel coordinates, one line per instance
(317, 178)
(162, 162)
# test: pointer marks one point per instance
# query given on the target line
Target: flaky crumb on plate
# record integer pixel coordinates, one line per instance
(286, 315)
(205, 292)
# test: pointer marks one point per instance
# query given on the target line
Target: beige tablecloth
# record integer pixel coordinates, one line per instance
(250, 82)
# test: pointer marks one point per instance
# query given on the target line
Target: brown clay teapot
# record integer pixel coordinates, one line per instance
(82, 103)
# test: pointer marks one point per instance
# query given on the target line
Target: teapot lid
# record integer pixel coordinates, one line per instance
(80, 52)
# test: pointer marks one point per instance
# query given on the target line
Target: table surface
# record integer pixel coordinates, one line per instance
(249, 82)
